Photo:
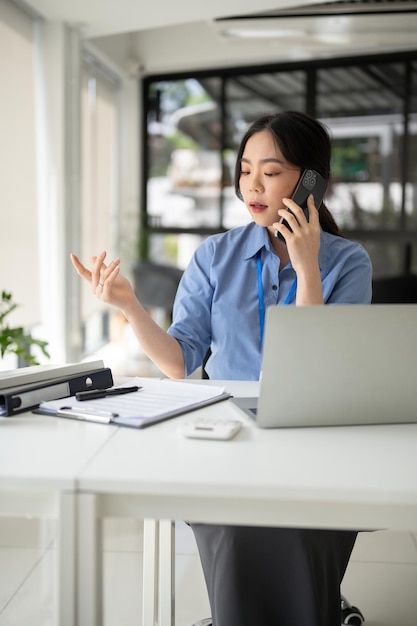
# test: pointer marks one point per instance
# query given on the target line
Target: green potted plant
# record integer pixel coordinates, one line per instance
(15, 339)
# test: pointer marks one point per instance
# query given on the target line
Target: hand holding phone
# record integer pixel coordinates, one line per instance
(310, 182)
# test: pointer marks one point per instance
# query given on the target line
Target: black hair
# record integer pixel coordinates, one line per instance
(303, 142)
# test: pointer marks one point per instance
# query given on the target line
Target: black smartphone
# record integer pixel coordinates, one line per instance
(310, 182)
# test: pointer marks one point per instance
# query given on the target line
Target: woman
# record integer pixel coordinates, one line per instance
(257, 576)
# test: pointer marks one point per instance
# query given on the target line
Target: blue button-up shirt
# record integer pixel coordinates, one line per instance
(217, 302)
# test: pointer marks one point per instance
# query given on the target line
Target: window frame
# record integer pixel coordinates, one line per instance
(404, 236)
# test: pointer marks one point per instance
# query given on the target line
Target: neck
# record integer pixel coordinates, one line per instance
(279, 247)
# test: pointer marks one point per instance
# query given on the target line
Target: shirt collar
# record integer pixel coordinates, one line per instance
(257, 238)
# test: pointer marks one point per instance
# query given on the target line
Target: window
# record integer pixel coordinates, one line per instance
(195, 123)
(365, 115)
(410, 174)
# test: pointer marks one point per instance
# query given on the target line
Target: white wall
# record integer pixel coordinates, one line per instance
(40, 175)
(19, 270)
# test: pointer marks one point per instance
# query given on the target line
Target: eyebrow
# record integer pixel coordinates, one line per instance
(267, 160)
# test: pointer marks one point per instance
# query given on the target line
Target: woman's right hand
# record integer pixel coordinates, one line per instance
(107, 283)
(111, 287)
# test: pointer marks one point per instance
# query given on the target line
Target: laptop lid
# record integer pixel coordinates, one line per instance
(339, 365)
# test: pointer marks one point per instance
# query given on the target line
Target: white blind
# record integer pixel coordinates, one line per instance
(19, 269)
(98, 173)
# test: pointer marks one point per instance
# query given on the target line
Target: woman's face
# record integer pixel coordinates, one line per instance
(265, 178)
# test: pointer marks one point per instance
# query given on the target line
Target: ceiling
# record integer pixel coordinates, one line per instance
(107, 17)
(228, 32)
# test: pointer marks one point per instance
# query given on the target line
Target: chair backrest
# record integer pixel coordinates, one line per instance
(395, 290)
(156, 285)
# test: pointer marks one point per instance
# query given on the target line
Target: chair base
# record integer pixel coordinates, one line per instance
(350, 615)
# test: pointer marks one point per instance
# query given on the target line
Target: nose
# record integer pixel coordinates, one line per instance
(255, 184)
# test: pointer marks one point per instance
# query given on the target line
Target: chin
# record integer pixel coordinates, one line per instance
(262, 220)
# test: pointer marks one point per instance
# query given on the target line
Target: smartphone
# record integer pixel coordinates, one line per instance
(310, 182)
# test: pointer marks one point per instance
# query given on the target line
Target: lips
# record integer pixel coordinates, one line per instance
(257, 207)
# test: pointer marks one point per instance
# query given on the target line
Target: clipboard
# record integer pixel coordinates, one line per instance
(155, 401)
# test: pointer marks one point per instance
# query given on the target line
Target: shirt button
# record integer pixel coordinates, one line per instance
(274, 287)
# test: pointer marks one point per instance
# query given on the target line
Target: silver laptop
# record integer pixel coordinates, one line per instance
(338, 365)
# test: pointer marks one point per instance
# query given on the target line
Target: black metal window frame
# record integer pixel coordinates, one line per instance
(402, 235)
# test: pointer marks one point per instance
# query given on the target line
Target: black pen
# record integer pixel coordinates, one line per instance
(95, 394)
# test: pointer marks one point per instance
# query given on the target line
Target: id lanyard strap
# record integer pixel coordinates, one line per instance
(261, 303)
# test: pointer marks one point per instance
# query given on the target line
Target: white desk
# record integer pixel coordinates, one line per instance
(352, 478)
(40, 459)
(356, 477)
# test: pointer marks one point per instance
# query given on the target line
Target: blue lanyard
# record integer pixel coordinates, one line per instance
(261, 303)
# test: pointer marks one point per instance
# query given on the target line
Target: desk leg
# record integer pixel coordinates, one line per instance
(166, 607)
(150, 571)
(67, 560)
(89, 572)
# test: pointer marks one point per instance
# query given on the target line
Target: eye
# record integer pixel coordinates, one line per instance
(271, 174)
(244, 172)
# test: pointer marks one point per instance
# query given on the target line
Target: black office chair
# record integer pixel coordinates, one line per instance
(350, 615)
(395, 289)
(156, 285)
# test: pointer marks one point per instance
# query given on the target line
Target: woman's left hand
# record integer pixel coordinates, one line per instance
(303, 243)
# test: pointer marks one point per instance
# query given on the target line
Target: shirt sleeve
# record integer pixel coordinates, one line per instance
(350, 279)
(191, 324)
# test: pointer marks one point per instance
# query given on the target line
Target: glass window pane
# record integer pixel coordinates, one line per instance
(411, 182)
(184, 159)
(173, 249)
(363, 107)
(248, 97)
